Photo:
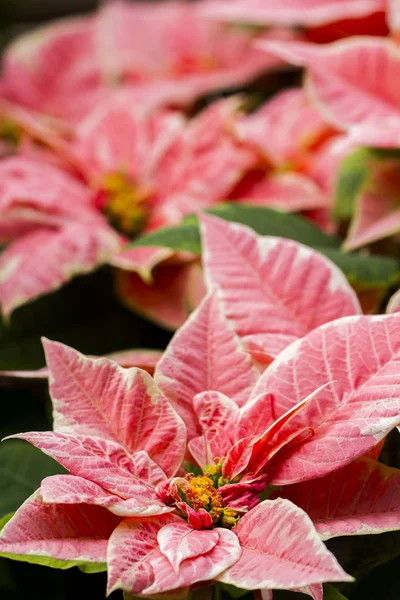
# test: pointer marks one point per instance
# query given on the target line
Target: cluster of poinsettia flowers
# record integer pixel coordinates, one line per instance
(100, 145)
(255, 439)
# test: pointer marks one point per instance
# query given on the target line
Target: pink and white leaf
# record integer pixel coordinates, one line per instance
(41, 261)
(97, 397)
(179, 542)
(101, 461)
(68, 489)
(203, 164)
(76, 532)
(280, 550)
(204, 567)
(359, 499)
(141, 358)
(288, 191)
(130, 549)
(215, 353)
(283, 128)
(350, 81)
(37, 193)
(359, 356)
(308, 13)
(117, 136)
(257, 299)
(164, 297)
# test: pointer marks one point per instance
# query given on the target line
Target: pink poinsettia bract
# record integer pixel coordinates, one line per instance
(271, 450)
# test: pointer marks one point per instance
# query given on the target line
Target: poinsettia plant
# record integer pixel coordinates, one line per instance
(219, 469)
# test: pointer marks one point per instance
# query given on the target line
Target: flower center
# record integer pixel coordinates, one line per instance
(198, 500)
(125, 206)
(9, 131)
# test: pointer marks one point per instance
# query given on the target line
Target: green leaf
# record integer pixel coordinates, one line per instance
(370, 271)
(331, 593)
(4, 520)
(22, 468)
(352, 177)
(265, 221)
(54, 563)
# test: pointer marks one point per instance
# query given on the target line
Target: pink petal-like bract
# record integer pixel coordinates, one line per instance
(99, 460)
(131, 547)
(63, 531)
(67, 67)
(200, 568)
(287, 191)
(352, 82)
(179, 542)
(257, 298)
(202, 356)
(203, 165)
(359, 356)
(97, 397)
(141, 358)
(164, 298)
(68, 489)
(280, 549)
(24, 196)
(283, 127)
(377, 213)
(42, 260)
(359, 499)
(309, 13)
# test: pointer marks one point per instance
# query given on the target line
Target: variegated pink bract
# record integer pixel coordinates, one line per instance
(303, 427)
(65, 68)
(292, 12)
(121, 440)
(325, 20)
(131, 182)
(359, 97)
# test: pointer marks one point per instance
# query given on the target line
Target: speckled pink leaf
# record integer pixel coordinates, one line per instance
(63, 531)
(140, 357)
(286, 191)
(202, 356)
(200, 568)
(280, 549)
(265, 347)
(203, 164)
(118, 135)
(377, 213)
(68, 489)
(193, 57)
(310, 13)
(38, 193)
(360, 499)
(141, 260)
(164, 298)
(179, 542)
(97, 397)
(101, 461)
(263, 444)
(360, 356)
(215, 413)
(39, 262)
(257, 299)
(130, 549)
(283, 128)
(351, 81)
